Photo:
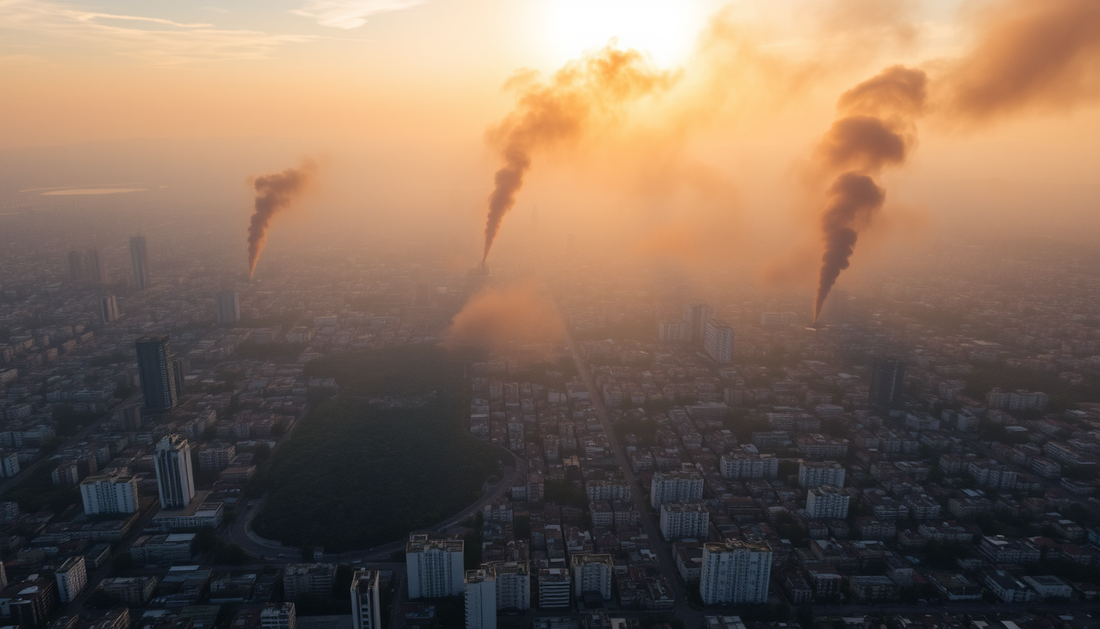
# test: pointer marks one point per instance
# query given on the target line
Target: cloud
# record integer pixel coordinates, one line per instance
(154, 40)
(348, 14)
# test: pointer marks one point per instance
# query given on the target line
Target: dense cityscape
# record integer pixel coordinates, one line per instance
(925, 455)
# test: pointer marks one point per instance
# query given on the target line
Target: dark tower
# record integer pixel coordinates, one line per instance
(157, 369)
(887, 379)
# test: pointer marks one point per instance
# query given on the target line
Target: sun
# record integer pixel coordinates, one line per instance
(666, 29)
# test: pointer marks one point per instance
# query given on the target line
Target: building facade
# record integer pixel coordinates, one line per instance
(157, 372)
(366, 607)
(735, 572)
(481, 599)
(175, 479)
(435, 567)
(109, 494)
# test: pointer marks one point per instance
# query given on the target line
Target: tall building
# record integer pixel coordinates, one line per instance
(695, 321)
(109, 494)
(94, 267)
(887, 379)
(818, 473)
(366, 608)
(278, 616)
(434, 567)
(108, 308)
(748, 465)
(513, 580)
(681, 520)
(228, 307)
(481, 599)
(157, 370)
(76, 266)
(139, 258)
(735, 572)
(675, 486)
(175, 481)
(71, 577)
(827, 503)
(718, 341)
(592, 574)
(554, 588)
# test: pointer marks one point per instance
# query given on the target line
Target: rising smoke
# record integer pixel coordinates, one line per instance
(495, 318)
(273, 194)
(1027, 56)
(875, 130)
(582, 96)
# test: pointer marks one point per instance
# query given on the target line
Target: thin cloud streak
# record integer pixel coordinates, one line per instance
(349, 14)
(177, 44)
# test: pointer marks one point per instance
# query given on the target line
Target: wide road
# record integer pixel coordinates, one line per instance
(690, 616)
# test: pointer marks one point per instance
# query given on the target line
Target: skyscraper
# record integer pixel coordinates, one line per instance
(365, 606)
(95, 268)
(435, 567)
(76, 266)
(175, 482)
(157, 369)
(718, 341)
(108, 308)
(735, 572)
(140, 260)
(695, 321)
(481, 598)
(227, 306)
(887, 379)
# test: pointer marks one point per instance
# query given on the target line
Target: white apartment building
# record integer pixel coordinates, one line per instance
(827, 502)
(175, 480)
(71, 579)
(681, 520)
(481, 599)
(718, 341)
(818, 473)
(676, 486)
(749, 465)
(513, 581)
(366, 608)
(735, 572)
(592, 573)
(281, 616)
(434, 567)
(109, 494)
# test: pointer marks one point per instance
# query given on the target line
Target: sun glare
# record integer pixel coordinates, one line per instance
(666, 29)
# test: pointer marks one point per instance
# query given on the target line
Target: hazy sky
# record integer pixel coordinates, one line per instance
(398, 95)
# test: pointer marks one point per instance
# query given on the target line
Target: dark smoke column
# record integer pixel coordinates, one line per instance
(856, 198)
(274, 193)
(584, 94)
(874, 130)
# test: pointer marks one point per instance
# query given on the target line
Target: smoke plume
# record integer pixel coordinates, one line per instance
(577, 98)
(274, 193)
(875, 130)
(1027, 55)
(495, 318)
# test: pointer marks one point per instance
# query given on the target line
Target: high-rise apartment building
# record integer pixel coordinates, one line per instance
(94, 267)
(108, 308)
(748, 465)
(513, 582)
(434, 567)
(139, 258)
(227, 307)
(718, 341)
(735, 572)
(175, 480)
(481, 598)
(76, 267)
(887, 380)
(695, 321)
(366, 608)
(109, 494)
(680, 520)
(675, 486)
(818, 473)
(71, 577)
(592, 574)
(827, 502)
(157, 371)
